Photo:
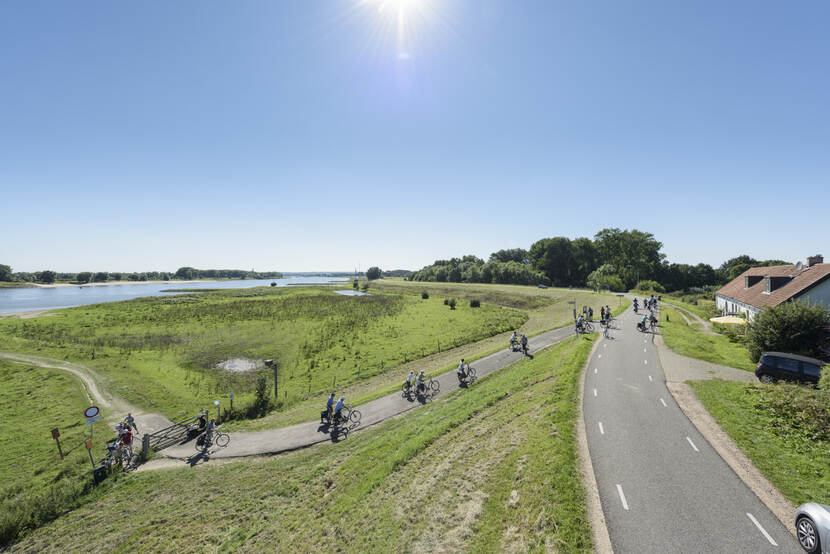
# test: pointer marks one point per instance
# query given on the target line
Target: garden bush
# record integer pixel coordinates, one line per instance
(452, 302)
(793, 327)
(475, 303)
(425, 295)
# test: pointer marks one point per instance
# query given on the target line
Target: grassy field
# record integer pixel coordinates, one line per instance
(784, 429)
(35, 485)
(690, 341)
(161, 353)
(703, 307)
(490, 468)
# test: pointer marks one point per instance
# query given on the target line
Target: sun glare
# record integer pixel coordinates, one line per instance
(404, 22)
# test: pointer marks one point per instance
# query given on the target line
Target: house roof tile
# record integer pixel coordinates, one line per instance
(800, 281)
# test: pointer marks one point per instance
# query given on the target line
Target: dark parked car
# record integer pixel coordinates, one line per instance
(789, 367)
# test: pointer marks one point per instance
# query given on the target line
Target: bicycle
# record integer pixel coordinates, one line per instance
(347, 415)
(469, 375)
(219, 439)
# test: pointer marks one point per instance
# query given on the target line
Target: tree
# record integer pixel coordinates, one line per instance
(116, 276)
(84, 277)
(792, 327)
(373, 273)
(511, 255)
(46, 276)
(186, 273)
(584, 260)
(6, 273)
(553, 257)
(635, 254)
(605, 277)
(101, 277)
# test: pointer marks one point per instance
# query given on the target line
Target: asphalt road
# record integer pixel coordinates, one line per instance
(662, 486)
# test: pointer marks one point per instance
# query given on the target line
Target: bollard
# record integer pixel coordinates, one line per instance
(145, 446)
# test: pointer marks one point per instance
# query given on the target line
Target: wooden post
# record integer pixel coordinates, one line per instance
(145, 446)
(56, 435)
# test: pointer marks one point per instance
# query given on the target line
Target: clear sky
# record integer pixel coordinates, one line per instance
(323, 134)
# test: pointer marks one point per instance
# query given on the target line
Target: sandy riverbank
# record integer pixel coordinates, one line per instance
(109, 283)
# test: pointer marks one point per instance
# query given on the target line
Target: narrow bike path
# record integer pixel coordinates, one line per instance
(663, 488)
(273, 441)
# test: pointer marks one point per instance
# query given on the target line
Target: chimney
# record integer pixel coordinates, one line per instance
(813, 260)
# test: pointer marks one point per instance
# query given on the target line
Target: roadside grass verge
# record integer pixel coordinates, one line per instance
(689, 341)
(492, 467)
(703, 307)
(161, 353)
(35, 484)
(783, 428)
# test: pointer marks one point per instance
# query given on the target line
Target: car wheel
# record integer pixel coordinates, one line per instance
(807, 535)
(766, 378)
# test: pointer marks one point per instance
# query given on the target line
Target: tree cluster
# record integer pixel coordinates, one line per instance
(472, 269)
(188, 273)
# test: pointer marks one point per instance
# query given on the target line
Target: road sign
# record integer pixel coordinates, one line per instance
(91, 420)
(55, 433)
(88, 443)
(91, 412)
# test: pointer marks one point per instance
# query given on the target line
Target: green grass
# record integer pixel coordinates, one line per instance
(703, 307)
(689, 341)
(161, 353)
(35, 484)
(15, 285)
(490, 468)
(784, 429)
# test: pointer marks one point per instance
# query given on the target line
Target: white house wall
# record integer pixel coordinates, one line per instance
(819, 294)
(728, 305)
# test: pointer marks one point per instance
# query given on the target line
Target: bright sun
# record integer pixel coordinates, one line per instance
(406, 20)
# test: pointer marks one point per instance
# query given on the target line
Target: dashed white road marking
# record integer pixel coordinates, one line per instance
(664, 403)
(650, 379)
(605, 345)
(595, 392)
(645, 361)
(758, 525)
(644, 349)
(625, 504)
(600, 356)
(595, 371)
(601, 430)
(693, 444)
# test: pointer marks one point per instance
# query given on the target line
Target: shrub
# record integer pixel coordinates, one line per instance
(452, 303)
(824, 381)
(475, 303)
(365, 286)
(794, 327)
(651, 286)
(273, 283)
(446, 302)
(424, 295)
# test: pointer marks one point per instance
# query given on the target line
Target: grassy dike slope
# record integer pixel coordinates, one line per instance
(35, 485)
(689, 341)
(783, 428)
(492, 467)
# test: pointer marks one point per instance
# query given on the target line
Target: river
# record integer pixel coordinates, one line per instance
(35, 299)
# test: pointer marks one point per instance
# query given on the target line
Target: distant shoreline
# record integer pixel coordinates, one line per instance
(108, 283)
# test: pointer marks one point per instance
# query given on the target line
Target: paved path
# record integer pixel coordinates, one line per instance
(273, 441)
(662, 486)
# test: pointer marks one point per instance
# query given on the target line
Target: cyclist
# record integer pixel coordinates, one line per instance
(524, 343)
(338, 409)
(408, 381)
(636, 306)
(130, 421)
(125, 442)
(652, 318)
(590, 314)
(513, 340)
(579, 323)
(325, 415)
(211, 427)
(420, 382)
(642, 324)
(460, 371)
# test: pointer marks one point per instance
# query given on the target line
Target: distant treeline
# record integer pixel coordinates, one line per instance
(183, 273)
(615, 259)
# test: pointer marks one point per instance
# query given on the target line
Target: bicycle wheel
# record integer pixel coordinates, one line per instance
(434, 385)
(589, 328)
(354, 416)
(222, 439)
(471, 372)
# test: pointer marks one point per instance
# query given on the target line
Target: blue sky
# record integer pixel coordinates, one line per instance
(320, 135)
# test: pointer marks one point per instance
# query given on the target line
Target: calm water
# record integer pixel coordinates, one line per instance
(31, 299)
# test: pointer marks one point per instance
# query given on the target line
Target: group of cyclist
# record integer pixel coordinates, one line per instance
(333, 414)
(649, 319)
(517, 342)
(588, 316)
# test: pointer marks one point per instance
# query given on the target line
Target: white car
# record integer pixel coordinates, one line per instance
(812, 526)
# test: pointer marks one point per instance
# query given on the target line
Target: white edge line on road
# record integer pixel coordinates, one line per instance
(650, 379)
(693, 444)
(595, 392)
(625, 504)
(758, 525)
(601, 430)
(664, 403)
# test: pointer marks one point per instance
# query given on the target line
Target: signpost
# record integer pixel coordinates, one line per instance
(56, 435)
(231, 398)
(88, 444)
(91, 415)
(574, 304)
(217, 403)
